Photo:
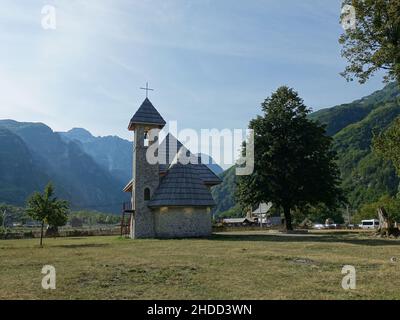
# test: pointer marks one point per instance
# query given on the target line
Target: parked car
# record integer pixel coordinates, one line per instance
(370, 224)
(333, 226)
(32, 224)
(319, 226)
(353, 226)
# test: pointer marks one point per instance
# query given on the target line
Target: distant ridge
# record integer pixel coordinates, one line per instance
(339, 117)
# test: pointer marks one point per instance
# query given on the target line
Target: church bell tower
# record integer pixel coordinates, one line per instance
(145, 175)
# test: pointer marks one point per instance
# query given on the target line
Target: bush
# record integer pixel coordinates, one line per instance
(234, 212)
(92, 218)
(370, 211)
(317, 214)
(29, 235)
(4, 232)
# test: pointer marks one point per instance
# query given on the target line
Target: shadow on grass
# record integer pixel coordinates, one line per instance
(306, 238)
(83, 245)
(77, 238)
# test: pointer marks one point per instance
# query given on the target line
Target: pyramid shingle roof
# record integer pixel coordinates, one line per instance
(182, 186)
(147, 114)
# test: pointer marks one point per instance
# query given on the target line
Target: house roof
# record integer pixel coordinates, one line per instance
(129, 186)
(182, 186)
(263, 208)
(237, 220)
(146, 114)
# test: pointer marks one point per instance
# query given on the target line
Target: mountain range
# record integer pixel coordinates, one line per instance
(33, 154)
(365, 176)
(112, 153)
(90, 172)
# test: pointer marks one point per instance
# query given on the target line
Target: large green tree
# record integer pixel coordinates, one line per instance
(374, 42)
(387, 145)
(294, 161)
(47, 209)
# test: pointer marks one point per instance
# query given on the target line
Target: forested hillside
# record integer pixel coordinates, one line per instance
(19, 172)
(339, 117)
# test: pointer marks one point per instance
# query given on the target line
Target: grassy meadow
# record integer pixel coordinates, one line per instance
(247, 265)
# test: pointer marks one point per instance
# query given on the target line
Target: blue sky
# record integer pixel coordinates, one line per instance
(211, 62)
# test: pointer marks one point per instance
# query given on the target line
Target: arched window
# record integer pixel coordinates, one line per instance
(146, 194)
(146, 139)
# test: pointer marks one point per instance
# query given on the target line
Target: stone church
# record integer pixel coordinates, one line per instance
(170, 199)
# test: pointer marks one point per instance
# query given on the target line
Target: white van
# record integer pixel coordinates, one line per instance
(370, 224)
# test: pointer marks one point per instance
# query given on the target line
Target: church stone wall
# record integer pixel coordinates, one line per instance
(175, 222)
(145, 175)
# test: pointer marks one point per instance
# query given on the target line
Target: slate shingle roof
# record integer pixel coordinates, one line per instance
(146, 114)
(204, 172)
(182, 186)
(164, 151)
(207, 175)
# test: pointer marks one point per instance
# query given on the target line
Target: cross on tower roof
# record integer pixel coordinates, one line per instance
(147, 89)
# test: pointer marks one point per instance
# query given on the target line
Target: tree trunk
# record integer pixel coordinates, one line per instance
(288, 218)
(41, 234)
(386, 226)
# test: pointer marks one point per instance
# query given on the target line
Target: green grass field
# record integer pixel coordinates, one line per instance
(250, 265)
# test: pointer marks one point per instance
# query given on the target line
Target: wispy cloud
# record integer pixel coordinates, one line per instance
(204, 57)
